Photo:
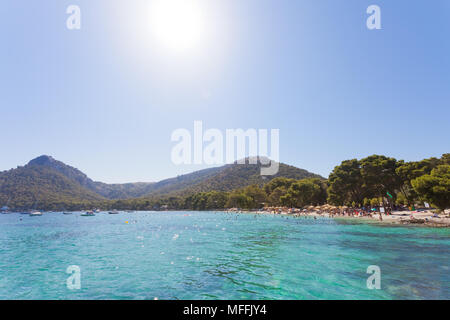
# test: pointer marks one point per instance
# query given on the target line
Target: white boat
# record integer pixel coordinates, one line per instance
(88, 214)
(35, 213)
(5, 209)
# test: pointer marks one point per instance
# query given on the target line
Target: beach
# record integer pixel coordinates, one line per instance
(420, 218)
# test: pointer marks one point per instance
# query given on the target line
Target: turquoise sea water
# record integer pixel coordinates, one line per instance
(209, 255)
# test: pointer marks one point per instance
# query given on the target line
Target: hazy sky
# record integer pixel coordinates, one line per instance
(107, 97)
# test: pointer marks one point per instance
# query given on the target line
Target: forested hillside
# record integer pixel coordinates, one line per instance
(36, 186)
(48, 183)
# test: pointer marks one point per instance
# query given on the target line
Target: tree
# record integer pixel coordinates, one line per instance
(375, 202)
(346, 184)
(302, 193)
(257, 196)
(274, 198)
(216, 200)
(435, 187)
(238, 200)
(320, 197)
(411, 170)
(445, 159)
(402, 200)
(277, 183)
(379, 175)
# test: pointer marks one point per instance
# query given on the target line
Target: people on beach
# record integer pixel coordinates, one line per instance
(381, 214)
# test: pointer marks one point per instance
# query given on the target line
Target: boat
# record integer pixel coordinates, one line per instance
(67, 212)
(113, 212)
(88, 214)
(5, 210)
(35, 213)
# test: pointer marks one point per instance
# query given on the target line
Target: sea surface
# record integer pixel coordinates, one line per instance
(215, 255)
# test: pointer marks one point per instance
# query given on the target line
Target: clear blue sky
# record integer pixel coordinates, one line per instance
(106, 98)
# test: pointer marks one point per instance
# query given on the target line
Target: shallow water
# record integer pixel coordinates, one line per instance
(208, 255)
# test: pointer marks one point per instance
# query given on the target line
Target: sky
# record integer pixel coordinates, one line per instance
(107, 97)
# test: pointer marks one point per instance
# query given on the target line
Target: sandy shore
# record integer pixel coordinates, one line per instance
(422, 218)
(426, 218)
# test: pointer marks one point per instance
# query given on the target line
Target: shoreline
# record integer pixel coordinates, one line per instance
(399, 218)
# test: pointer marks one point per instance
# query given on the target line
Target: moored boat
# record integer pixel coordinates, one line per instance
(35, 213)
(88, 214)
(5, 209)
(113, 212)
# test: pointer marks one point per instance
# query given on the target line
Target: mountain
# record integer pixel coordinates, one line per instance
(225, 178)
(54, 184)
(109, 191)
(33, 186)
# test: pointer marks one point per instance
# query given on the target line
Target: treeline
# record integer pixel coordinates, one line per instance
(378, 179)
(370, 181)
(39, 187)
(277, 192)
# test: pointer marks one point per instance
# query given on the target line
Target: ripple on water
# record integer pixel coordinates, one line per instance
(213, 255)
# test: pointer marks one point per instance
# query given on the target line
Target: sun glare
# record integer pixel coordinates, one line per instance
(178, 24)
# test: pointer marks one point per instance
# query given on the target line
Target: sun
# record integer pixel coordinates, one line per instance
(178, 24)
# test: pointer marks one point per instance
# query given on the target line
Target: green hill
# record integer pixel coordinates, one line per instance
(35, 186)
(109, 191)
(48, 183)
(225, 178)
